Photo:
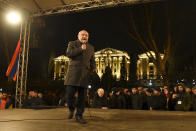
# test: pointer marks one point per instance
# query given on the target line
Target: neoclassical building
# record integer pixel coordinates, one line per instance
(145, 67)
(103, 58)
(112, 58)
(60, 67)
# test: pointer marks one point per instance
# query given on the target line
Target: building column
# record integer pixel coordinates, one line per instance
(54, 70)
(148, 71)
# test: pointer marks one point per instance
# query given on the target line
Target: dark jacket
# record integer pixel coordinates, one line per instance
(158, 102)
(148, 103)
(194, 102)
(100, 102)
(179, 106)
(136, 102)
(80, 65)
(33, 102)
(187, 101)
(126, 101)
(116, 102)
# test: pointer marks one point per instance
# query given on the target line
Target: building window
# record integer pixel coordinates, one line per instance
(62, 69)
(151, 68)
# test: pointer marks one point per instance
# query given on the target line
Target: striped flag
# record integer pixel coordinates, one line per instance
(13, 67)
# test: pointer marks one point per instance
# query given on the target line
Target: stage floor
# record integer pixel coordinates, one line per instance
(102, 120)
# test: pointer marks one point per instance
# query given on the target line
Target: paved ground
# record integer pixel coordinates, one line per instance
(107, 120)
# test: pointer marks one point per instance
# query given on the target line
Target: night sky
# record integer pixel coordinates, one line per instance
(107, 28)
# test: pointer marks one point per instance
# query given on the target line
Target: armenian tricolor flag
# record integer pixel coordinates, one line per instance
(13, 67)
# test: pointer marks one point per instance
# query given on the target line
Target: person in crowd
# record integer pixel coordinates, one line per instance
(187, 99)
(48, 98)
(194, 98)
(8, 101)
(109, 98)
(177, 98)
(40, 95)
(165, 87)
(167, 96)
(2, 102)
(148, 103)
(129, 98)
(140, 90)
(158, 100)
(136, 100)
(125, 99)
(100, 101)
(55, 99)
(116, 101)
(142, 96)
(172, 102)
(175, 89)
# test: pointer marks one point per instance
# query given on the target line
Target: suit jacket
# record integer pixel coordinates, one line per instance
(80, 65)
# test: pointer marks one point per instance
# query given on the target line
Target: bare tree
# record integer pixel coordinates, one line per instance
(149, 42)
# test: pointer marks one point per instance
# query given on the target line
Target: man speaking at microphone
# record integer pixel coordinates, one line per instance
(82, 62)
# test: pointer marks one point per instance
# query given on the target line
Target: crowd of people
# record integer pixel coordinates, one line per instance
(178, 98)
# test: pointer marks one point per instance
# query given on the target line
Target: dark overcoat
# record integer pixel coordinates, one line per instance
(80, 64)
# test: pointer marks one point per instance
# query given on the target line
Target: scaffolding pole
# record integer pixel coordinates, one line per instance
(22, 64)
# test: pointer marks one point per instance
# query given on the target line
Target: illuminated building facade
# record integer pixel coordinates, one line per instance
(103, 58)
(114, 59)
(60, 67)
(145, 67)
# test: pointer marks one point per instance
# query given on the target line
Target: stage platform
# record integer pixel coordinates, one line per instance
(102, 120)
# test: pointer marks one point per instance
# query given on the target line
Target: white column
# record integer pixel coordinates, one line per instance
(54, 70)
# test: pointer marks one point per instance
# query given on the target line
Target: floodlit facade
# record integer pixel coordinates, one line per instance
(112, 58)
(103, 58)
(60, 67)
(145, 67)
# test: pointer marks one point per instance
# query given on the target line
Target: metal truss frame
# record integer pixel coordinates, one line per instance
(21, 81)
(91, 5)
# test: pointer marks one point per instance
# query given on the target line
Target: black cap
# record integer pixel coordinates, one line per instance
(115, 89)
(149, 90)
(157, 89)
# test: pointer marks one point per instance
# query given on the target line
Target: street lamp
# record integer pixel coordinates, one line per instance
(150, 83)
(89, 86)
(14, 17)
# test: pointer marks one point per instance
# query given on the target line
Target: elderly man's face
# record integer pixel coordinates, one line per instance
(101, 93)
(83, 36)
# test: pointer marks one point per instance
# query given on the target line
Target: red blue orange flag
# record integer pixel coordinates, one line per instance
(13, 67)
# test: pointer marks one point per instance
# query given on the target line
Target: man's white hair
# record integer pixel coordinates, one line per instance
(100, 89)
(82, 31)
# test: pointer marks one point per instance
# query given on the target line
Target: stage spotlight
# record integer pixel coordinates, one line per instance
(14, 17)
